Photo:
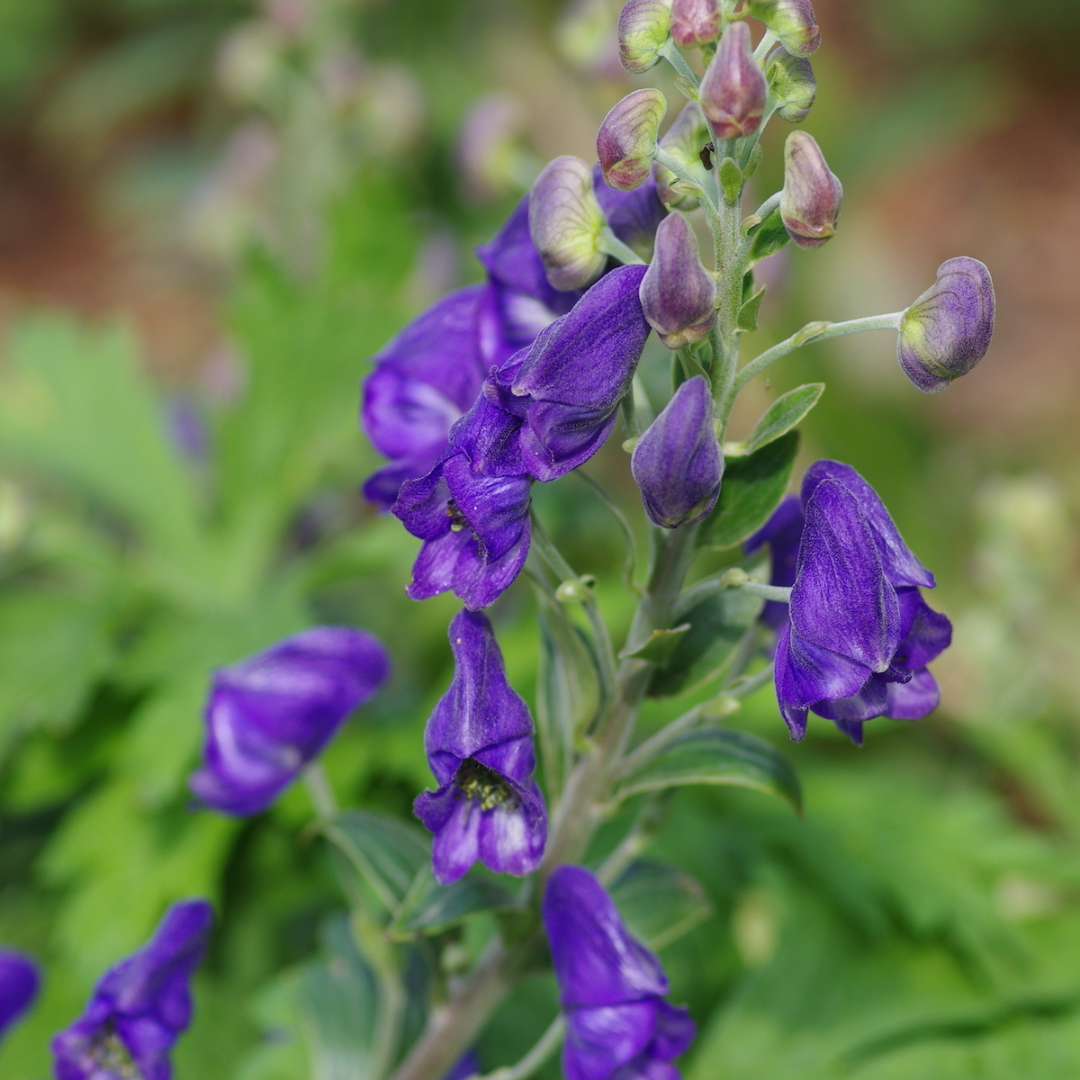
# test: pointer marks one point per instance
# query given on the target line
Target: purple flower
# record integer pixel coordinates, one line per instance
(18, 986)
(467, 1065)
(860, 636)
(611, 988)
(812, 196)
(733, 90)
(475, 530)
(479, 745)
(139, 1007)
(269, 715)
(678, 463)
(678, 295)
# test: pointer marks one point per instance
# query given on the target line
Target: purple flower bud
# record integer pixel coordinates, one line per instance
(859, 637)
(792, 21)
(479, 746)
(947, 331)
(810, 201)
(733, 90)
(18, 986)
(643, 31)
(684, 140)
(565, 222)
(271, 714)
(610, 986)
(678, 295)
(677, 463)
(694, 22)
(139, 1007)
(626, 141)
(792, 84)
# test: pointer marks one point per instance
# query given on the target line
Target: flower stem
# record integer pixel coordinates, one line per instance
(319, 791)
(819, 331)
(545, 1046)
(610, 244)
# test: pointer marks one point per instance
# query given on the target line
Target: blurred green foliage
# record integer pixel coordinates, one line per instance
(923, 918)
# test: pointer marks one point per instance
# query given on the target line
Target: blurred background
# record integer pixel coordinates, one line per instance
(213, 212)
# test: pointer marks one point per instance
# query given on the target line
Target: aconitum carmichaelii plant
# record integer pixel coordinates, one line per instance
(139, 1007)
(271, 714)
(611, 988)
(19, 982)
(479, 744)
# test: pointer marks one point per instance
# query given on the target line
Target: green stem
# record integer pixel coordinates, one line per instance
(630, 563)
(673, 164)
(610, 244)
(814, 332)
(320, 792)
(545, 1046)
(671, 54)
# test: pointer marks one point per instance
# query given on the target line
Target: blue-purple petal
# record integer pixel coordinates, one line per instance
(19, 981)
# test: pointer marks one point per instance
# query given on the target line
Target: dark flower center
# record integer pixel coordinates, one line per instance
(457, 518)
(108, 1052)
(476, 781)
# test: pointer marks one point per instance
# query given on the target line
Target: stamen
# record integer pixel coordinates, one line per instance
(476, 781)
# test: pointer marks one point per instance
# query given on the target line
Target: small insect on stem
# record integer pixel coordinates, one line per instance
(706, 154)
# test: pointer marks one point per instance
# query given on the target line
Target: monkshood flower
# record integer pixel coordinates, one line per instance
(792, 21)
(812, 196)
(271, 714)
(18, 986)
(475, 530)
(694, 22)
(565, 222)
(947, 331)
(626, 141)
(733, 90)
(468, 1065)
(677, 463)
(643, 32)
(791, 83)
(678, 295)
(860, 636)
(479, 745)
(139, 1007)
(610, 986)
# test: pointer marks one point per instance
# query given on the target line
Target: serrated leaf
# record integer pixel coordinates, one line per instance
(568, 688)
(659, 903)
(768, 238)
(337, 1003)
(717, 757)
(748, 313)
(753, 486)
(718, 620)
(431, 908)
(387, 853)
(783, 414)
(659, 647)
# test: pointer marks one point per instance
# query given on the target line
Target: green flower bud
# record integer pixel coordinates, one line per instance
(685, 140)
(565, 222)
(792, 21)
(643, 32)
(792, 82)
(810, 201)
(626, 142)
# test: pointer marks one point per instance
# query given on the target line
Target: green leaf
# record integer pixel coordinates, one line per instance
(748, 313)
(718, 620)
(387, 853)
(717, 757)
(430, 908)
(659, 903)
(568, 688)
(660, 646)
(337, 1002)
(731, 180)
(768, 237)
(783, 414)
(752, 487)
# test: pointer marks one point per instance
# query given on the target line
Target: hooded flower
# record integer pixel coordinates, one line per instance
(430, 373)
(860, 636)
(139, 1007)
(479, 745)
(610, 986)
(475, 530)
(18, 986)
(269, 715)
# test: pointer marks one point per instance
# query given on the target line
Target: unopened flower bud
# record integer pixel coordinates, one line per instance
(947, 331)
(565, 221)
(733, 89)
(626, 142)
(678, 463)
(678, 295)
(694, 22)
(643, 31)
(791, 80)
(792, 21)
(684, 140)
(810, 202)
